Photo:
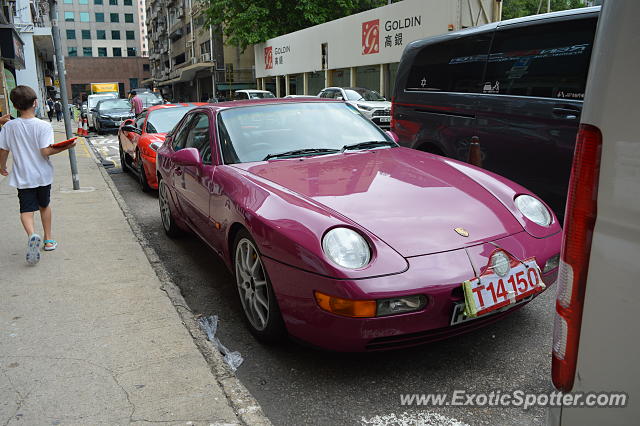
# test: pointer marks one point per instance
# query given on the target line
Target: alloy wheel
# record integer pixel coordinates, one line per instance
(252, 284)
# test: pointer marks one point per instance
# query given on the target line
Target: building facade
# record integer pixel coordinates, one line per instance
(362, 49)
(142, 24)
(12, 55)
(189, 60)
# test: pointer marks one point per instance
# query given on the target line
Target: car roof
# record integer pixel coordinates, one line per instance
(270, 101)
(186, 104)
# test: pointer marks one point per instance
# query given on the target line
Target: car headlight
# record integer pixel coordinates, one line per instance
(533, 210)
(346, 248)
(364, 107)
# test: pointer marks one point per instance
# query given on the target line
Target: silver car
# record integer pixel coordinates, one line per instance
(369, 102)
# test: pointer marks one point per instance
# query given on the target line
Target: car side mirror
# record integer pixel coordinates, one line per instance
(392, 135)
(131, 128)
(187, 157)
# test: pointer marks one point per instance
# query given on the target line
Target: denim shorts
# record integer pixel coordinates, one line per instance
(31, 199)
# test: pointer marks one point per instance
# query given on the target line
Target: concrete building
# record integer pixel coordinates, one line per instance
(100, 29)
(32, 23)
(188, 58)
(142, 23)
(362, 49)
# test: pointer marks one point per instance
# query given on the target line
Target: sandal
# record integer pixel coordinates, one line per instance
(53, 246)
(33, 247)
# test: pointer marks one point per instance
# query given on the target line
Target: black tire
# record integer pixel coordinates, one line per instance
(142, 176)
(270, 329)
(123, 159)
(168, 223)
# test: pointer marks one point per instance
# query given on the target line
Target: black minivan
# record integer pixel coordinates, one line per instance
(517, 85)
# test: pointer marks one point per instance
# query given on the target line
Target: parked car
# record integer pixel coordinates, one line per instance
(92, 101)
(111, 113)
(252, 94)
(518, 85)
(139, 139)
(369, 102)
(342, 238)
(595, 348)
(150, 98)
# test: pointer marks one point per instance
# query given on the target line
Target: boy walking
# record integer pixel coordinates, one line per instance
(29, 139)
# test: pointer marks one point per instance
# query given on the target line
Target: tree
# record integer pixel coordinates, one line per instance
(246, 22)
(519, 8)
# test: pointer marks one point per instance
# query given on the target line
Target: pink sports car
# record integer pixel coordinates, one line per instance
(339, 237)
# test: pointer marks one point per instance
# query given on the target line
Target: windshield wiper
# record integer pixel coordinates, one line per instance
(302, 152)
(367, 144)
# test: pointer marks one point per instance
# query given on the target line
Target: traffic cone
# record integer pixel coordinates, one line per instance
(85, 127)
(80, 131)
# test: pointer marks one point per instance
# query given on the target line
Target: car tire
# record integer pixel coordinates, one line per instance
(259, 304)
(123, 159)
(142, 176)
(166, 215)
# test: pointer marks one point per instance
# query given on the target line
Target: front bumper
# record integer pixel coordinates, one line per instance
(437, 276)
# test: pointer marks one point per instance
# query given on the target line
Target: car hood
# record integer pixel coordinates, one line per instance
(373, 104)
(412, 200)
(115, 111)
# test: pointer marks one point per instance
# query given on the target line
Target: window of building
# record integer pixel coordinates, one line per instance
(86, 34)
(131, 51)
(83, 1)
(100, 17)
(117, 51)
(71, 34)
(68, 1)
(128, 2)
(115, 35)
(114, 17)
(131, 35)
(133, 83)
(84, 16)
(128, 17)
(113, 2)
(72, 51)
(97, 2)
(145, 67)
(87, 51)
(102, 51)
(101, 35)
(69, 17)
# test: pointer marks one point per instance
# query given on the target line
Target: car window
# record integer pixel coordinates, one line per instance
(549, 60)
(140, 119)
(450, 66)
(113, 104)
(179, 138)
(198, 136)
(328, 94)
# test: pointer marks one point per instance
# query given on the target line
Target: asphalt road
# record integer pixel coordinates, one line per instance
(297, 385)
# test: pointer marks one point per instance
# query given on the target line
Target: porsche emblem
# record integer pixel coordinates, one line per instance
(462, 231)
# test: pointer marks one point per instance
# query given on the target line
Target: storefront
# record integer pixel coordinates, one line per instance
(11, 59)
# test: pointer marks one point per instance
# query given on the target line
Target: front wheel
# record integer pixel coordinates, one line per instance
(261, 310)
(169, 225)
(142, 176)
(123, 159)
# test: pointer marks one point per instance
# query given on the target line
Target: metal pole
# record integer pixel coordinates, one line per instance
(55, 32)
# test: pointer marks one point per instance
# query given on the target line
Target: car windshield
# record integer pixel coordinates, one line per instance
(163, 120)
(252, 133)
(149, 98)
(363, 95)
(114, 104)
(260, 95)
(93, 101)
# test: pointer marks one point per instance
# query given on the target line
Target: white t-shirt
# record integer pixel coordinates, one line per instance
(24, 138)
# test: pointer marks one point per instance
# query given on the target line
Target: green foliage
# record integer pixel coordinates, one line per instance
(246, 22)
(519, 8)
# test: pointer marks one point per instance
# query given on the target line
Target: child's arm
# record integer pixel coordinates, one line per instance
(4, 154)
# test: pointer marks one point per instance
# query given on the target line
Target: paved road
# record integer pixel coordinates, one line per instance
(296, 385)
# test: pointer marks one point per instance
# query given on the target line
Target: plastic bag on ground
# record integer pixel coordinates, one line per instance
(210, 325)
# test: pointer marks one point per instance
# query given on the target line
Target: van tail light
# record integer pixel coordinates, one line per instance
(393, 120)
(579, 221)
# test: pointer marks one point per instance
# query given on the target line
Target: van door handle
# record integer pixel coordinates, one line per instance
(570, 113)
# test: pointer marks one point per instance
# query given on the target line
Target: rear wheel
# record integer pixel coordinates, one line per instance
(261, 310)
(169, 225)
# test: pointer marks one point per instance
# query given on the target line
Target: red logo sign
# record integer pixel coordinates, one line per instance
(371, 37)
(268, 57)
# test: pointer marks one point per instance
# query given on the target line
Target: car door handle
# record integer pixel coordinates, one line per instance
(570, 113)
(178, 171)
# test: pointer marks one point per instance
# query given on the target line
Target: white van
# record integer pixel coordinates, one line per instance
(595, 343)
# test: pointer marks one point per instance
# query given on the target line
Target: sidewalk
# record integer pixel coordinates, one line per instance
(87, 336)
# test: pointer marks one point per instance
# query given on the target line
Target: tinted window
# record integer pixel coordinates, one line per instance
(180, 137)
(549, 60)
(450, 66)
(140, 120)
(198, 137)
(164, 119)
(114, 104)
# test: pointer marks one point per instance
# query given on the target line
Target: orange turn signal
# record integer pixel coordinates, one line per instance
(346, 307)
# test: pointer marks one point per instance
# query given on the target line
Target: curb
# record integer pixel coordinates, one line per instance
(241, 401)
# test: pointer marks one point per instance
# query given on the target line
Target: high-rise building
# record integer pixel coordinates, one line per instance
(142, 19)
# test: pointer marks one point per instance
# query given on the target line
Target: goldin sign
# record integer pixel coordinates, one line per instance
(371, 31)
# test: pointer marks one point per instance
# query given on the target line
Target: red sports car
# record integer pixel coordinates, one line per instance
(139, 139)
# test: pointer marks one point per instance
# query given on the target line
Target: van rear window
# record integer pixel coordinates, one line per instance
(549, 60)
(450, 66)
